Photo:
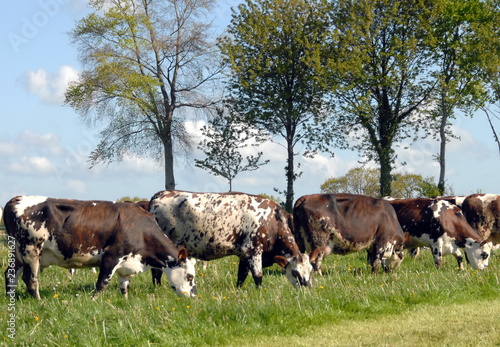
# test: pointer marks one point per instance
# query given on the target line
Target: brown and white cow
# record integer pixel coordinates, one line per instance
(347, 223)
(215, 225)
(117, 237)
(440, 225)
(482, 211)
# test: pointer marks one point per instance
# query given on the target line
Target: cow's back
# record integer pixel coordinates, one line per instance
(347, 223)
(358, 218)
(68, 227)
(212, 225)
(482, 211)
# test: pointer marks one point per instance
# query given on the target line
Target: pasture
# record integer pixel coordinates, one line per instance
(418, 305)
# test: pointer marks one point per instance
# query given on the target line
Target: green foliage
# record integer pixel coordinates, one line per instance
(466, 55)
(347, 296)
(143, 62)
(224, 140)
(134, 199)
(380, 75)
(355, 181)
(273, 50)
(366, 182)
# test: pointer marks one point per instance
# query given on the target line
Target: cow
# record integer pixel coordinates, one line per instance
(117, 237)
(482, 211)
(348, 223)
(215, 225)
(440, 225)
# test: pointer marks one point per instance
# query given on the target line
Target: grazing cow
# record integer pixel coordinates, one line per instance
(215, 225)
(117, 237)
(347, 223)
(441, 225)
(482, 211)
(144, 204)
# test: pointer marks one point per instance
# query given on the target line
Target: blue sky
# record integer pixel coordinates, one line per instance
(44, 146)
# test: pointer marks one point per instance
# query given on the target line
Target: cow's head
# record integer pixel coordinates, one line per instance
(181, 273)
(395, 254)
(298, 269)
(394, 259)
(478, 253)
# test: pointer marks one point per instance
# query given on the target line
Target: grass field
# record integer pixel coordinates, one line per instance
(348, 306)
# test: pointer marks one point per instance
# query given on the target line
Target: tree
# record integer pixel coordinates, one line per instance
(144, 61)
(272, 50)
(380, 75)
(134, 199)
(466, 53)
(407, 186)
(224, 140)
(356, 181)
(366, 182)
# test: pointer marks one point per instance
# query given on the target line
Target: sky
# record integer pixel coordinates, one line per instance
(44, 145)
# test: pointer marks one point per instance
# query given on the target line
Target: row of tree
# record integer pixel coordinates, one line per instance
(356, 74)
(366, 181)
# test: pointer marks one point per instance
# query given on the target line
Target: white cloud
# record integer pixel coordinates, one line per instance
(50, 87)
(8, 148)
(31, 165)
(141, 165)
(77, 186)
(48, 142)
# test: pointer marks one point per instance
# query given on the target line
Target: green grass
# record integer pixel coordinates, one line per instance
(418, 305)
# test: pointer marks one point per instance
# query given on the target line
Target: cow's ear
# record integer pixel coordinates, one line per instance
(183, 253)
(314, 255)
(407, 238)
(281, 261)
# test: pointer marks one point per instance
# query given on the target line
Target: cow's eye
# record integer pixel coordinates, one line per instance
(190, 277)
(484, 255)
(295, 273)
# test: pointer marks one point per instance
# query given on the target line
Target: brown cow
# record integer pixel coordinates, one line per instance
(347, 223)
(441, 226)
(117, 237)
(482, 211)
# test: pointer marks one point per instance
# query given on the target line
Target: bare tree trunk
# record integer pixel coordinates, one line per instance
(385, 172)
(290, 177)
(442, 148)
(445, 112)
(169, 163)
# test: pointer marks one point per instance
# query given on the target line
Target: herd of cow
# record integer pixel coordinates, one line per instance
(174, 228)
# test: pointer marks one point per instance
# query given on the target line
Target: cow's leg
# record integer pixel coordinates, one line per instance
(31, 269)
(108, 266)
(438, 256)
(375, 259)
(205, 265)
(256, 268)
(156, 276)
(243, 268)
(415, 252)
(124, 285)
(316, 258)
(460, 259)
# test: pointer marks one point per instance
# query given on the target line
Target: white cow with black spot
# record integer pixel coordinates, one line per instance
(215, 225)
